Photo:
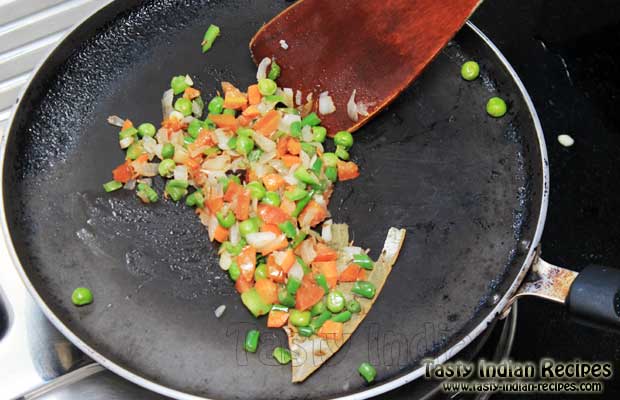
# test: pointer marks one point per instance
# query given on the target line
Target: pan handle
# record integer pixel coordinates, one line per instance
(591, 296)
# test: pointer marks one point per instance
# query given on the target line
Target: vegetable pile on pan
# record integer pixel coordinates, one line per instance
(253, 165)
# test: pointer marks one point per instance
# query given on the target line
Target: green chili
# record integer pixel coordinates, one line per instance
(282, 355)
(354, 306)
(112, 186)
(82, 296)
(322, 282)
(286, 298)
(251, 341)
(272, 198)
(317, 166)
(210, 35)
(364, 289)
(301, 204)
(318, 309)
(147, 129)
(254, 303)
(255, 155)
(234, 271)
(311, 119)
(299, 318)
(216, 105)
(176, 188)
(292, 285)
(342, 153)
(305, 331)
(297, 241)
(274, 73)
(260, 272)
(363, 261)
(367, 371)
(305, 176)
(331, 173)
(343, 316)
(330, 159)
(234, 250)
(335, 301)
(167, 151)
(318, 322)
(195, 199)
(288, 229)
(257, 190)
(343, 139)
(295, 194)
(308, 148)
(188, 140)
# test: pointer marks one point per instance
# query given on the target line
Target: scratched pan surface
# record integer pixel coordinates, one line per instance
(465, 186)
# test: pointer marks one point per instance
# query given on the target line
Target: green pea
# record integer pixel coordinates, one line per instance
(260, 272)
(330, 159)
(229, 111)
(354, 306)
(227, 220)
(342, 316)
(274, 73)
(364, 261)
(288, 229)
(129, 132)
(255, 155)
(305, 331)
(318, 322)
(244, 145)
(147, 129)
(208, 125)
(496, 107)
(364, 289)
(297, 193)
(146, 193)
(216, 105)
(178, 84)
(184, 106)
(135, 150)
(195, 127)
(296, 129)
(343, 139)
(210, 35)
(267, 87)
(367, 371)
(282, 355)
(232, 142)
(335, 301)
(82, 296)
(331, 173)
(292, 285)
(470, 70)
(166, 167)
(311, 119)
(286, 298)
(167, 151)
(318, 309)
(272, 198)
(257, 190)
(319, 134)
(322, 282)
(250, 225)
(342, 153)
(234, 271)
(112, 186)
(299, 318)
(251, 341)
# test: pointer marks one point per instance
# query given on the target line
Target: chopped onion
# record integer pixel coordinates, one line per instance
(126, 142)
(219, 163)
(146, 169)
(177, 115)
(166, 103)
(146, 181)
(352, 107)
(298, 98)
(225, 261)
(188, 119)
(279, 257)
(261, 73)
(306, 133)
(162, 136)
(219, 311)
(267, 157)
(264, 143)
(296, 271)
(189, 80)
(222, 138)
(283, 44)
(150, 145)
(326, 231)
(115, 120)
(265, 106)
(305, 159)
(306, 251)
(260, 240)
(279, 166)
(326, 104)
(180, 172)
(130, 185)
(197, 108)
(286, 121)
(210, 220)
(262, 169)
(362, 109)
(180, 155)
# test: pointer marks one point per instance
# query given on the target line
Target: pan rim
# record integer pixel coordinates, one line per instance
(370, 392)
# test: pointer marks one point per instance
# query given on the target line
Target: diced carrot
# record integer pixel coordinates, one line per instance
(273, 181)
(350, 274)
(215, 204)
(221, 234)
(127, 124)
(254, 96)
(289, 260)
(251, 112)
(274, 272)
(293, 146)
(234, 100)
(281, 243)
(347, 170)
(124, 172)
(288, 206)
(172, 124)
(205, 138)
(290, 160)
(193, 163)
(191, 93)
(242, 206)
(224, 121)
(267, 290)
(250, 175)
(277, 319)
(271, 214)
(308, 295)
(242, 285)
(142, 158)
(271, 228)
(331, 330)
(325, 253)
(281, 146)
(243, 121)
(329, 270)
(268, 123)
(232, 191)
(227, 87)
(313, 214)
(247, 262)
(362, 275)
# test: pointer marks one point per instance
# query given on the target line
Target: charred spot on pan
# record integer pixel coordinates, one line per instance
(453, 317)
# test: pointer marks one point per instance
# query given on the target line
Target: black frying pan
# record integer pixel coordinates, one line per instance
(469, 189)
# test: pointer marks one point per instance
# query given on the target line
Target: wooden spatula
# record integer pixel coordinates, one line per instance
(376, 47)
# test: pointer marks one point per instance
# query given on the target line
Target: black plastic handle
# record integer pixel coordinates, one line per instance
(594, 296)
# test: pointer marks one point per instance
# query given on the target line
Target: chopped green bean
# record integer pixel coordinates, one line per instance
(274, 72)
(364, 261)
(318, 309)
(354, 306)
(364, 289)
(272, 198)
(343, 316)
(226, 221)
(286, 298)
(209, 37)
(229, 111)
(257, 190)
(330, 159)
(311, 119)
(322, 282)
(296, 129)
(318, 322)
(305, 331)
(112, 186)
(319, 134)
(367, 371)
(292, 285)
(295, 194)
(301, 204)
(282, 355)
(342, 153)
(146, 193)
(317, 166)
(288, 229)
(234, 271)
(331, 173)
(195, 199)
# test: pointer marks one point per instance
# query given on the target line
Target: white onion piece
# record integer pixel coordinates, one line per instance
(305, 159)
(260, 240)
(352, 107)
(130, 185)
(267, 157)
(307, 252)
(350, 251)
(150, 145)
(262, 169)
(319, 199)
(326, 231)
(177, 139)
(188, 119)
(196, 151)
(166, 103)
(197, 109)
(239, 163)
(264, 143)
(126, 142)
(279, 166)
(146, 169)
(306, 133)
(326, 104)
(362, 109)
(287, 93)
(265, 106)
(189, 80)
(296, 271)
(177, 115)
(219, 163)
(279, 257)
(162, 136)
(115, 120)
(286, 122)
(298, 98)
(180, 155)
(180, 172)
(212, 225)
(283, 44)
(222, 139)
(261, 73)
(219, 311)
(225, 261)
